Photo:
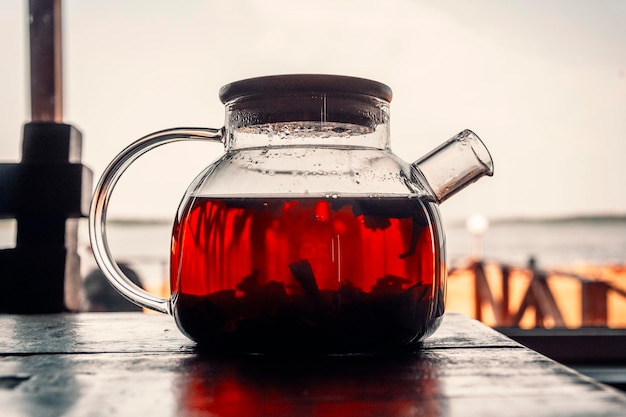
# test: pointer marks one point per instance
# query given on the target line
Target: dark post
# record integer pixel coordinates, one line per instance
(505, 312)
(478, 300)
(540, 298)
(48, 190)
(594, 303)
(483, 294)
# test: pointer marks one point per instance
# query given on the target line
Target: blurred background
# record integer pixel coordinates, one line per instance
(542, 82)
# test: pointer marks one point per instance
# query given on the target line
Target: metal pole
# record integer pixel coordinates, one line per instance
(46, 81)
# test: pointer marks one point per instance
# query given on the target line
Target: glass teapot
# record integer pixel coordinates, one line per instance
(308, 235)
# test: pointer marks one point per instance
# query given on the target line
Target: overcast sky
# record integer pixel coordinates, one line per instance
(542, 82)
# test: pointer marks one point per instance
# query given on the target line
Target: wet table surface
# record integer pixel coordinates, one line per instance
(102, 364)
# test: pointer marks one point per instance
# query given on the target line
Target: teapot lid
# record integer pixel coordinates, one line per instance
(304, 83)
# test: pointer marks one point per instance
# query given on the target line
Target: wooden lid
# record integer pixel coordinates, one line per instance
(304, 83)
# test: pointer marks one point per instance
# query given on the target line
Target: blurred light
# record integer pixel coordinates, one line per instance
(477, 224)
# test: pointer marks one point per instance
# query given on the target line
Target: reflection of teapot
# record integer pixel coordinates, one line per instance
(328, 386)
(308, 234)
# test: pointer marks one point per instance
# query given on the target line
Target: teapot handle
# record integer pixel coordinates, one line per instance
(100, 202)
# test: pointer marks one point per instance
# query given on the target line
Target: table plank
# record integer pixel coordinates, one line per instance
(118, 364)
(137, 332)
(91, 333)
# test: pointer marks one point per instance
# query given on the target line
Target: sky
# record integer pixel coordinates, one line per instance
(543, 83)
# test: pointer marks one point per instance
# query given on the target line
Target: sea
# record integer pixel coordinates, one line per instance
(553, 243)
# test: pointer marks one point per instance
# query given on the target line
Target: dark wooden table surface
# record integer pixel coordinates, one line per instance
(139, 364)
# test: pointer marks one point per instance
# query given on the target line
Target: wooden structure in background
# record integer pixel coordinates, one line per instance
(539, 297)
(593, 348)
(48, 190)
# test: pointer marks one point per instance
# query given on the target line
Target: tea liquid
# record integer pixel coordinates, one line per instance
(319, 274)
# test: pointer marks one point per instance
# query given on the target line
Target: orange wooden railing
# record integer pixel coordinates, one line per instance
(538, 296)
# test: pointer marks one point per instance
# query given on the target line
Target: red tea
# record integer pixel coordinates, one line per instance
(329, 275)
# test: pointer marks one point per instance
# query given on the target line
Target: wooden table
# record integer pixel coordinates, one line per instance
(139, 364)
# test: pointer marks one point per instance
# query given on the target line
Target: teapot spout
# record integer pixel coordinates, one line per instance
(455, 164)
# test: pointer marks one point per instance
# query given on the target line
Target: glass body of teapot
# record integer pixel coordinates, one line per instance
(308, 235)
